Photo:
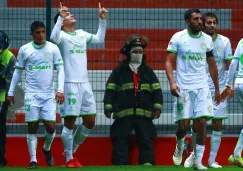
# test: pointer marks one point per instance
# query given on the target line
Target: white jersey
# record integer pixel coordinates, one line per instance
(239, 55)
(74, 51)
(222, 52)
(39, 63)
(191, 58)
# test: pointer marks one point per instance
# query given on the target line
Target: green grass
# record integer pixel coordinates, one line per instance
(119, 168)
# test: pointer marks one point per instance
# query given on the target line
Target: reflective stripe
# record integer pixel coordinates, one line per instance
(128, 112)
(145, 87)
(111, 86)
(155, 86)
(125, 86)
(108, 106)
(157, 105)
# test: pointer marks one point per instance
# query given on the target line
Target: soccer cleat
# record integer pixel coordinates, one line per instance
(177, 157)
(147, 164)
(33, 165)
(238, 161)
(214, 165)
(199, 166)
(73, 163)
(48, 157)
(189, 161)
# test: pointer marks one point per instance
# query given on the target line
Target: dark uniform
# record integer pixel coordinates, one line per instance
(7, 63)
(133, 99)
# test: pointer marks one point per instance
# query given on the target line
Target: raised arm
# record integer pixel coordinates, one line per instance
(99, 37)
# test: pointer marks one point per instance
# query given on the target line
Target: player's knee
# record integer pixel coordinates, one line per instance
(51, 129)
(89, 123)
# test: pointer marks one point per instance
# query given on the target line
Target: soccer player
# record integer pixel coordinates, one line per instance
(191, 50)
(237, 62)
(77, 89)
(222, 55)
(39, 58)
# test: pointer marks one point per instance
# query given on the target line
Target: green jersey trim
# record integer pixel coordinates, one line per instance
(193, 36)
(90, 39)
(38, 47)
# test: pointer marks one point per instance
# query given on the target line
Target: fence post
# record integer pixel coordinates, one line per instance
(48, 19)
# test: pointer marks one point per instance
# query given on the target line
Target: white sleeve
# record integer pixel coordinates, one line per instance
(210, 45)
(20, 64)
(228, 51)
(232, 70)
(58, 62)
(16, 78)
(100, 35)
(60, 78)
(172, 46)
(56, 32)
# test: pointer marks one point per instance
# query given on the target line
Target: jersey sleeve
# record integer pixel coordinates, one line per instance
(173, 44)
(57, 59)
(228, 51)
(209, 45)
(238, 50)
(20, 64)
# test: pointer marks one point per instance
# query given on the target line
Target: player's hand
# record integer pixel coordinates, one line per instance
(108, 114)
(156, 114)
(102, 12)
(174, 89)
(231, 93)
(225, 93)
(63, 12)
(60, 98)
(217, 97)
(10, 99)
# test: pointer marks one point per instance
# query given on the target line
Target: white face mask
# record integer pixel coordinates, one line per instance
(136, 58)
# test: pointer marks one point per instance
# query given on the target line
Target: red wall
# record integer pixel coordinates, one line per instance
(97, 151)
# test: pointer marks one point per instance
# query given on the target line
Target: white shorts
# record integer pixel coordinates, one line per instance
(193, 104)
(220, 111)
(79, 100)
(239, 93)
(40, 107)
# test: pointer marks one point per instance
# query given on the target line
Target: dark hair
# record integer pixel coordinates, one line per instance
(4, 40)
(189, 12)
(210, 14)
(35, 25)
(134, 40)
(56, 17)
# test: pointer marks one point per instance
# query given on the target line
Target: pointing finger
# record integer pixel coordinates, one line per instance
(99, 6)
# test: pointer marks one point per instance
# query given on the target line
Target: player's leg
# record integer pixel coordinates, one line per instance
(215, 142)
(3, 133)
(87, 112)
(203, 110)
(145, 132)
(120, 131)
(70, 112)
(48, 115)
(235, 158)
(182, 115)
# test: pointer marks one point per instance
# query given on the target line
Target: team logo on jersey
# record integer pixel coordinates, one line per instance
(180, 109)
(203, 46)
(219, 49)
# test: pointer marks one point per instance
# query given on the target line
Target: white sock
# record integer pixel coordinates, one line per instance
(180, 143)
(67, 140)
(32, 145)
(194, 139)
(199, 153)
(80, 135)
(215, 143)
(239, 145)
(48, 140)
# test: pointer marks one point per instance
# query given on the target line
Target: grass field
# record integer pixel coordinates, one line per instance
(119, 168)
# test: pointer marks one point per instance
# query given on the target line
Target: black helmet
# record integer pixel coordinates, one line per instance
(134, 40)
(4, 40)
